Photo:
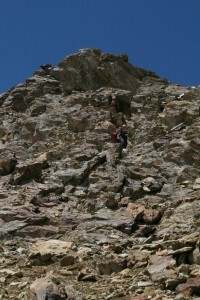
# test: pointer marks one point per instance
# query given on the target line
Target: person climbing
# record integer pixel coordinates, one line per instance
(123, 136)
(120, 136)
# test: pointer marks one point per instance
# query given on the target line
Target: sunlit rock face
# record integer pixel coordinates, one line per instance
(80, 217)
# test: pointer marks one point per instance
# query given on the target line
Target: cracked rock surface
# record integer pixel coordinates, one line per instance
(81, 219)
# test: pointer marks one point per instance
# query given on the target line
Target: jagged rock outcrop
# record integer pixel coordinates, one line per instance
(81, 219)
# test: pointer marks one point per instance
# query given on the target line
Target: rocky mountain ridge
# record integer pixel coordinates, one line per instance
(79, 218)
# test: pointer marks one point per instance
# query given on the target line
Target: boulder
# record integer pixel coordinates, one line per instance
(44, 288)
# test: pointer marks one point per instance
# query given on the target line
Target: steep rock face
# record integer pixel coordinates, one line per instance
(81, 219)
(90, 69)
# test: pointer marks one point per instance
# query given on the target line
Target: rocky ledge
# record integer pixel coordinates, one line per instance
(79, 218)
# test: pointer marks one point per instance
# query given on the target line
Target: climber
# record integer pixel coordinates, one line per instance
(120, 136)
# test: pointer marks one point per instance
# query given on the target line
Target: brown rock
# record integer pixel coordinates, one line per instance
(160, 268)
(194, 256)
(109, 267)
(7, 165)
(67, 260)
(46, 250)
(191, 287)
(44, 288)
(32, 170)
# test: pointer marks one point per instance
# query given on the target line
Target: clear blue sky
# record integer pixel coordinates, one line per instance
(158, 35)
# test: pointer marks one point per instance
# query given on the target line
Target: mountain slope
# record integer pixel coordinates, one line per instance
(81, 220)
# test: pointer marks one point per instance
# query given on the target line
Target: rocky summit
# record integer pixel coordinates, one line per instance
(82, 218)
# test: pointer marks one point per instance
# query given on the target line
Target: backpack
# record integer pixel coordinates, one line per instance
(115, 136)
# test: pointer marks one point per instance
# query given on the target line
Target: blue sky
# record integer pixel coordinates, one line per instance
(158, 35)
